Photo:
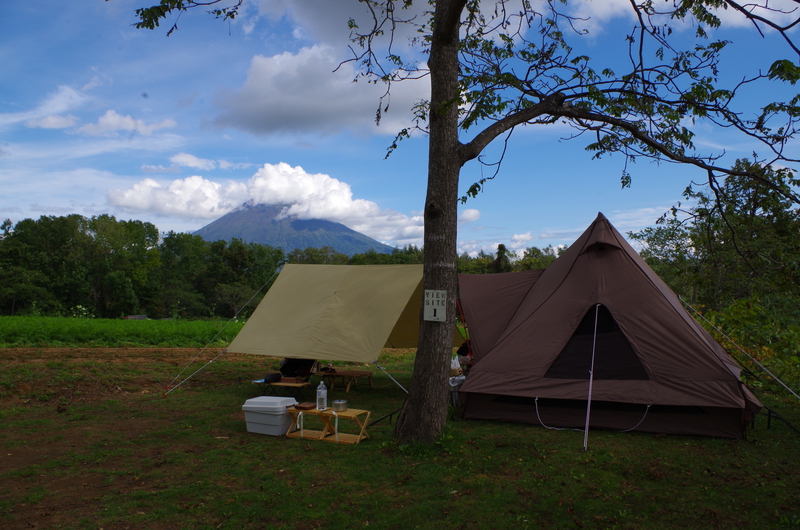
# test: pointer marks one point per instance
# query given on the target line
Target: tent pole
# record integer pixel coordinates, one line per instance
(591, 380)
(390, 376)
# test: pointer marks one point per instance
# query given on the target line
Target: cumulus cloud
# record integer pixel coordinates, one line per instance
(192, 197)
(306, 196)
(472, 247)
(111, 123)
(469, 215)
(292, 93)
(521, 239)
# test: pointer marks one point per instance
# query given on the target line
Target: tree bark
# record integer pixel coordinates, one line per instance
(425, 412)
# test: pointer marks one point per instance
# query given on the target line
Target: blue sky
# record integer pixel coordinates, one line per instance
(98, 117)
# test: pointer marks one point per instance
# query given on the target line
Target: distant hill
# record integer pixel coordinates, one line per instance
(257, 224)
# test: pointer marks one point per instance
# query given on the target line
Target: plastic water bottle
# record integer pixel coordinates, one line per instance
(322, 396)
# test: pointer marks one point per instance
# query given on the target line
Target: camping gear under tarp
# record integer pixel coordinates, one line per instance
(655, 368)
(336, 313)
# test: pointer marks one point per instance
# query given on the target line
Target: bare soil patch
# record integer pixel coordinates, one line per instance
(29, 460)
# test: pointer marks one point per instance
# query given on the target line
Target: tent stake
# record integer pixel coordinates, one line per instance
(591, 380)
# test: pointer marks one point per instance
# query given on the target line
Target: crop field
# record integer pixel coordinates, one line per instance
(51, 332)
(89, 440)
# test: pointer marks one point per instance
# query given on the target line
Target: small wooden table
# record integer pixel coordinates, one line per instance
(330, 425)
(348, 377)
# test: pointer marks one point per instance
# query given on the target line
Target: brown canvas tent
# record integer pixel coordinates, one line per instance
(336, 313)
(599, 304)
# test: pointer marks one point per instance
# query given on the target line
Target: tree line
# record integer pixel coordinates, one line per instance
(104, 267)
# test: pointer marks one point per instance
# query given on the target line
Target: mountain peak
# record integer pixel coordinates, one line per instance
(265, 224)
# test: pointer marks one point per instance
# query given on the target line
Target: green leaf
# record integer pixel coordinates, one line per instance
(785, 70)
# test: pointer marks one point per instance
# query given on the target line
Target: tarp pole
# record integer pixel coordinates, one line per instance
(591, 380)
(390, 376)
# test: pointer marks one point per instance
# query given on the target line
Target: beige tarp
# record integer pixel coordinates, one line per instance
(335, 313)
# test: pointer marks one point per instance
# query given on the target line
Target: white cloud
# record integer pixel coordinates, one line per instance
(191, 161)
(224, 164)
(53, 121)
(159, 169)
(193, 197)
(111, 123)
(187, 160)
(595, 15)
(63, 100)
(293, 93)
(326, 21)
(469, 215)
(473, 247)
(778, 11)
(521, 238)
(634, 220)
(308, 196)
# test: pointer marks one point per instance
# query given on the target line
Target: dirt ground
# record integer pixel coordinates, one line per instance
(15, 356)
(65, 500)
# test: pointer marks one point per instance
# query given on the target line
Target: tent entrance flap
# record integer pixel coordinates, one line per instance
(615, 356)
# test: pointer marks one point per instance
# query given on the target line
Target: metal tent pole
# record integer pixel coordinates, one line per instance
(591, 380)
(390, 376)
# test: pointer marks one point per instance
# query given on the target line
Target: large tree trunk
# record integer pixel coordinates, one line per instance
(425, 412)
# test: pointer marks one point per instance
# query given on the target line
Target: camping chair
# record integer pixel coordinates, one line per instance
(294, 376)
(298, 368)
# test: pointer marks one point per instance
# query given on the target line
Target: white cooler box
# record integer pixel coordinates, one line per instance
(267, 414)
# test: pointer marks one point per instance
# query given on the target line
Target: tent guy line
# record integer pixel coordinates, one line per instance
(784, 385)
(172, 386)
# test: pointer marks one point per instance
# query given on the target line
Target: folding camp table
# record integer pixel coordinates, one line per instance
(330, 425)
(348, 377)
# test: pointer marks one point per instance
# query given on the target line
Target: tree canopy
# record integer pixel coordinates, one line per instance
(104, 267)
(733, 242)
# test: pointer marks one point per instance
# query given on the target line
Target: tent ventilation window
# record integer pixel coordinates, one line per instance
(614, 356)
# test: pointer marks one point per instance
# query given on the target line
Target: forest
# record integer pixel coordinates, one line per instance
(108, 268)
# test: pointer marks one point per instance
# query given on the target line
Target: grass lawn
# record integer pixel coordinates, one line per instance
(87, 440)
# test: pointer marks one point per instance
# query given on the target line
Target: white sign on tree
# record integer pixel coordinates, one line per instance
(435, 305)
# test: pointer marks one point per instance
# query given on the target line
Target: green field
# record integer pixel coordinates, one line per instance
(56, 332)
(88, 440)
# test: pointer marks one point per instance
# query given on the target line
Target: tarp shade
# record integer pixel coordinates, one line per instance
(335, 313)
